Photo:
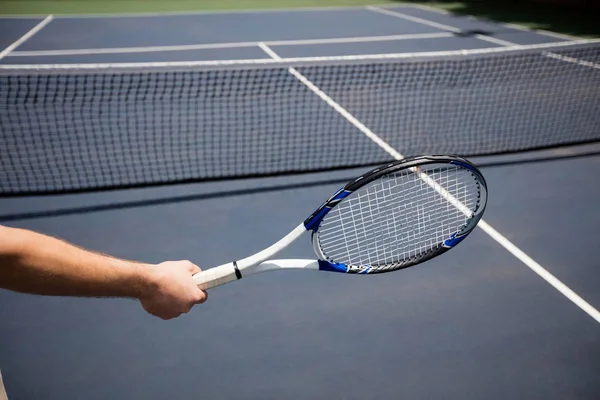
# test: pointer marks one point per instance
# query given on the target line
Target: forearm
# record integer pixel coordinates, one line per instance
(39, 264)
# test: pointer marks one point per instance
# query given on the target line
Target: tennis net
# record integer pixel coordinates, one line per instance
(82, 127)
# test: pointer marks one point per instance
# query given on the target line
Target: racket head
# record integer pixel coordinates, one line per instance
(399, 215)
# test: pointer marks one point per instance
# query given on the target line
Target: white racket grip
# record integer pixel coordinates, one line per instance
(216, 276)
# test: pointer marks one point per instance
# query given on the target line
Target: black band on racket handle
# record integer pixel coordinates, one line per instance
(238, 274)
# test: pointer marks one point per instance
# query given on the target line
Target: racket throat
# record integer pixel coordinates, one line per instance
(344, 268)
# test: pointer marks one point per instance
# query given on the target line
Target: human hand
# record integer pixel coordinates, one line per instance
(171, 290)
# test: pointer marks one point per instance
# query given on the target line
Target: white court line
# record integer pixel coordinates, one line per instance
(204, 46)
(275, 10)
(427, 8)
(436, 25)
(507, 24)
(572, 60)
(26, 36)
(483, 37)
(413, 19)
(270, 61)
(493, 233)
(491, 39)
(269, 52)
(540, 31)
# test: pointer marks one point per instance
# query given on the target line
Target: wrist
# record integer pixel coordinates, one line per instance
(142, 280)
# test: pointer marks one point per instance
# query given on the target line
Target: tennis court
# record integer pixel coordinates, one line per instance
(475, 323)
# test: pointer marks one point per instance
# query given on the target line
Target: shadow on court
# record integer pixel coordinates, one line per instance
(577, 18)
(489, 162)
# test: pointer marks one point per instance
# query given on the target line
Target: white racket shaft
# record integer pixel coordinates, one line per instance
(226, 273)
(230, 272)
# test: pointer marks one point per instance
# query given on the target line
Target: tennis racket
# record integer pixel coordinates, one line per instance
(393, 217)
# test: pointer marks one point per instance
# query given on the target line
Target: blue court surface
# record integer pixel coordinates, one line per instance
(476, 323)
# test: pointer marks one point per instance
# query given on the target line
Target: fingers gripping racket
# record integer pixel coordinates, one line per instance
(393, 217)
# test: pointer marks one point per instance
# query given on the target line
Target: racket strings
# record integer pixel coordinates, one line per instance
(397, 217)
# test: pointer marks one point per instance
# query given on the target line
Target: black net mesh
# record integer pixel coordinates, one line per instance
(68, 128)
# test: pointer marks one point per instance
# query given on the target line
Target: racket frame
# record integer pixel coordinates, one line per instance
(256, 263)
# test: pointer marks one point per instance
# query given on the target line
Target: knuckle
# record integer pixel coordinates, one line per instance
(202, 297)
(189, 265)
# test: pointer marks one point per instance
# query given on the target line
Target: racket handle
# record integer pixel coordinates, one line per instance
(216, 276)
